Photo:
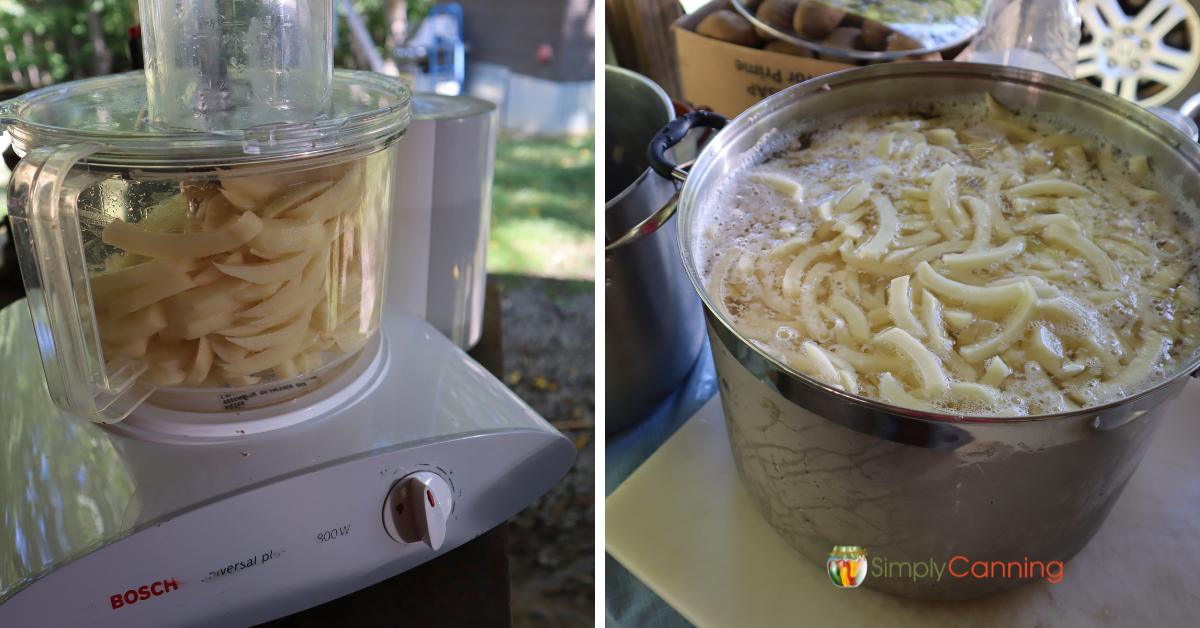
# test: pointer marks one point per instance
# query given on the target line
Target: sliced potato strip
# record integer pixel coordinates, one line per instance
(943, 194)
(794, 275)
(927, 366)
(1106, 269)
(253, 293)
(249, 192)
(132, 277)
(226, 351)
(293, 297)
(1049, 187)
(1013, 328)
(267, 272)
(286, 370)
(218, 296)
(207, 276)
(165, 285)
(274, 337)
(295, 197)
(216, 211)
(981, 217)
(995, 371)
(342, 197)
(809, 315)
(349, 340)
(308, 361)
(957, 319)
(856, 320)
(166, 373)
(818, 365)
(973, 393)
(853, 197)
(899, 305)
(985, 257)
(1101, 342)
(885, 232)
(1141, 366)
(201, 364)
(1046, 349)
(142, 323)
(287, 236)
(134, 239)
(194, 328)
(267, 359)
(1005, 295)
(935, 326)
(893, 392)
(785, 186)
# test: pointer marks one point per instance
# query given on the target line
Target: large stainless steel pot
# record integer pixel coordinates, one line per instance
(653, 325)
(829, 468)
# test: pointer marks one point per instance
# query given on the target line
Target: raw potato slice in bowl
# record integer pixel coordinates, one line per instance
(134, 239)
(287, 236)
(247, 280)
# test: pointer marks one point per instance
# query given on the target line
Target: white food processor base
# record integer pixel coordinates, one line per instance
(149, 524)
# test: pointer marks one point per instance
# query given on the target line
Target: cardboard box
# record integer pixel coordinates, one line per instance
(728, 78)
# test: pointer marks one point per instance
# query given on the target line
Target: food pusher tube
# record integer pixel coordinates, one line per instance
(216, 64)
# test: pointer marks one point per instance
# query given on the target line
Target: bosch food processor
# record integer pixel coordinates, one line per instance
(212, 412)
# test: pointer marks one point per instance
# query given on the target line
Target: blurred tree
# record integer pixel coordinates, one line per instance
(383, 20)
(45, 41)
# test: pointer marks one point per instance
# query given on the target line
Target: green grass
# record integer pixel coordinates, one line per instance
(543, 207)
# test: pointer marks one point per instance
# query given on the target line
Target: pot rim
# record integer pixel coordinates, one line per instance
(1037, 81)
(670, 109)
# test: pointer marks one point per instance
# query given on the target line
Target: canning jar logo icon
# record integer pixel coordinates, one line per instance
(847, 566)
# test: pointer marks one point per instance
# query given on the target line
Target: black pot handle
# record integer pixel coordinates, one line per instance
(672, 134)
(669, 136)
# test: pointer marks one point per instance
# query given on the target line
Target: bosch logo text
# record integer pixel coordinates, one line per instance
(144, 592)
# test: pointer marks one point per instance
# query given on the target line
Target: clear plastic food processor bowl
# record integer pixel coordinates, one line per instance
(204, 270)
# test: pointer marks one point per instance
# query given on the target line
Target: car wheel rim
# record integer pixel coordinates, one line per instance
(1143, 51)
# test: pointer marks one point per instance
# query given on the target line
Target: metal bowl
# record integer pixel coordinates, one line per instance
(829, 468)
(938, 25)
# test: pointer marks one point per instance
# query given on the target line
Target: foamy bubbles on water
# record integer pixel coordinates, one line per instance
(1101, 328)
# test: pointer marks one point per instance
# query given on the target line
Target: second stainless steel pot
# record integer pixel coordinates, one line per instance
(828, 468)
(653, 323)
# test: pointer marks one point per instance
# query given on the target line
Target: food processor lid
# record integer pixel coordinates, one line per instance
(113, 111)
(427, 106)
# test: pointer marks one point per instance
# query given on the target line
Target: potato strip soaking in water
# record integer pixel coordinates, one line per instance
(990, 264)
(247, 279)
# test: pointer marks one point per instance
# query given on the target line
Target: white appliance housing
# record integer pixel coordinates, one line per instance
(159, 521)
(442, 206)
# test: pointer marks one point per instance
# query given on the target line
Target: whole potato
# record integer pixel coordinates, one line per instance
(843, 37)
(777, 14)
(875, 35)
(900, 41)
(728, 26)
(816, 20)
(789, 49)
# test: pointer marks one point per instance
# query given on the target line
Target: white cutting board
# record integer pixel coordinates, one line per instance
(683, 524)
